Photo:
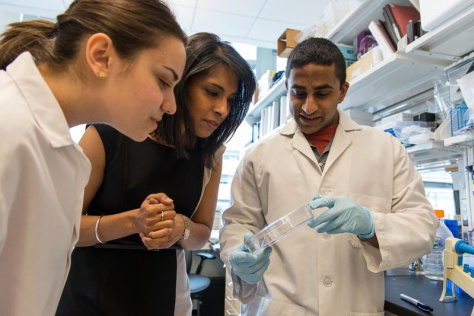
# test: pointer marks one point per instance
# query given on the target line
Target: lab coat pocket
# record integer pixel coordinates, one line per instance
(367, 314)
(266, 307)
(372, 202)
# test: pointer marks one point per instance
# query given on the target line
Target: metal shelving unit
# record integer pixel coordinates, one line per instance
(273, 94)
(453, 38)
(399, 73)
(357, 21)
(433, 152)
(406, 70)
(464, 140)
(405, 73)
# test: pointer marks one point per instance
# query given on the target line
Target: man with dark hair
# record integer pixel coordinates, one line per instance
(370, 210)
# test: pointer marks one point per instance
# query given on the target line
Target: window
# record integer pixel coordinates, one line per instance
(235, 147)
(441, 196)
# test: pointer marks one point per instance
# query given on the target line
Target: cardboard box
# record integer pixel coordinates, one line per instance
(286, 42)
(366, 62)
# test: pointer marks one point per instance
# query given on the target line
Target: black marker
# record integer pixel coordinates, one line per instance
(416, 302)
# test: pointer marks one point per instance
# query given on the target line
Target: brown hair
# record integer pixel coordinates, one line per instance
(203, 52)
(132, 26)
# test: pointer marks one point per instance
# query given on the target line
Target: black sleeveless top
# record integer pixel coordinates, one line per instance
(123, 282)
(135, 170)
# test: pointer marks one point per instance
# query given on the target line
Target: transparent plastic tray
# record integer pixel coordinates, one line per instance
(278, 229)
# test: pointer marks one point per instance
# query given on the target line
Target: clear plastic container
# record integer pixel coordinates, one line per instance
(433, 262)
(279, 229)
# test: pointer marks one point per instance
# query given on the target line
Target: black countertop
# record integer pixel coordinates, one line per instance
(426, 291)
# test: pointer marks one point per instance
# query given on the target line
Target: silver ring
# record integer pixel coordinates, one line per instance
(162, 216)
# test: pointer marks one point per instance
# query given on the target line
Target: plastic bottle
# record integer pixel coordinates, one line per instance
(433, 262)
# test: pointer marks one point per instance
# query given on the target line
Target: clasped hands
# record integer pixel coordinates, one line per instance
(155, 222)
(342, 216)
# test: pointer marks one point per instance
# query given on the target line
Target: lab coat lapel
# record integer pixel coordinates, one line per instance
(340, 143)
(299, 142)
(341, 139)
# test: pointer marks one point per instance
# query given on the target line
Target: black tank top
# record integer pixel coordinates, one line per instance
(133, 171)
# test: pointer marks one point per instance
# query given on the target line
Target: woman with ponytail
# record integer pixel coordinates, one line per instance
(110, 61)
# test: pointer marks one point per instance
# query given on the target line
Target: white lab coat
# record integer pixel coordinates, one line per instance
(320, 274)
(42, 178)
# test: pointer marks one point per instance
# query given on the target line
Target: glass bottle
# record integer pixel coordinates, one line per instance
(433, 262)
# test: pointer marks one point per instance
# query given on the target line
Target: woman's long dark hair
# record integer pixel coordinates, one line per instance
(204, 51)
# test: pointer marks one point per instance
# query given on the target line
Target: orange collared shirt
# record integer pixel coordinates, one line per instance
(321, 138)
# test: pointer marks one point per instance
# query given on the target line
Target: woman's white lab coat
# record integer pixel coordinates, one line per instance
(42, 178)
(322, 274)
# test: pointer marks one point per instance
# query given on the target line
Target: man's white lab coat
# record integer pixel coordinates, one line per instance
(320, 274)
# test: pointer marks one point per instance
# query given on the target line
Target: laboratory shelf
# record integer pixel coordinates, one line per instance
(399, 73)
(432, 152)
(272, 132)
(273, 94)
(357, 21)
(405, 75)
(454, 38)
(407, 72)
(360, 95)
(464, 140)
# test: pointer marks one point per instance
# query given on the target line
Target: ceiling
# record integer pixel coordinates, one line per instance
(255, 22)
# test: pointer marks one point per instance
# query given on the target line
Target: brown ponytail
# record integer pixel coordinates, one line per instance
(33, 36)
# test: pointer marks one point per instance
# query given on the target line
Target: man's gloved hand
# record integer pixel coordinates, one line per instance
(343, 216)
(250, 266)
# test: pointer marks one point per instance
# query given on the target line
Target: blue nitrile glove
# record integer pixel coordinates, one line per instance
(343, 216)
(250, 266)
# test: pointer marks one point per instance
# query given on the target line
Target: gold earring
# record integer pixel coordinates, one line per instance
(101, 74)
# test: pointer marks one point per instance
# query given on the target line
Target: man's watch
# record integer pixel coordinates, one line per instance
(186, 227)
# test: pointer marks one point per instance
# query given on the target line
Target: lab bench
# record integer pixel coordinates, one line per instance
(416, 286)
(426, 291)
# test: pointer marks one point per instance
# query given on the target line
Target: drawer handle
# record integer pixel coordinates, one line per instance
(231, 312)
(231, 298)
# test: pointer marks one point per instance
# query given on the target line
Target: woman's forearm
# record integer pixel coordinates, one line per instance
(110, 227)
(198, 236)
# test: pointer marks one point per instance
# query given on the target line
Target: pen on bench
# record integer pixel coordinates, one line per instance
(416, 302)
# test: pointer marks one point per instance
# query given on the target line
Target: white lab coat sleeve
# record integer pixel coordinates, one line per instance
(408, 231)
(244, 215)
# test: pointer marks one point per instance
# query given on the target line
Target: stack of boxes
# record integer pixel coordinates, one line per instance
(410, 129)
